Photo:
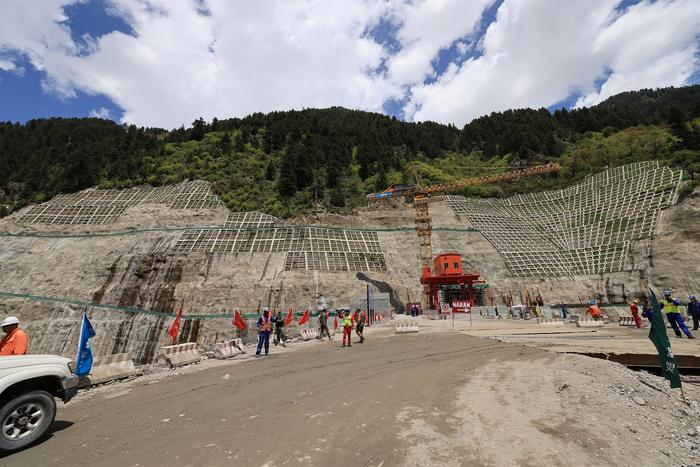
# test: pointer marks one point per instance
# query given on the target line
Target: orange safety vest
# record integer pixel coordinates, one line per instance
(14, 343)
(265, 326)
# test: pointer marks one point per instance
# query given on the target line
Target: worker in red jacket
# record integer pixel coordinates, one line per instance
(634, 308)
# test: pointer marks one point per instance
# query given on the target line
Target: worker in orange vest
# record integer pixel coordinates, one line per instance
(15, 341)
(594, 311)
(264, 331)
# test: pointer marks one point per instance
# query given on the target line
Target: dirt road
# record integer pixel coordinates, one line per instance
(432, 398)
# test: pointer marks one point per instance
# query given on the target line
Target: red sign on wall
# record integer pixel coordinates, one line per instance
(460, 306)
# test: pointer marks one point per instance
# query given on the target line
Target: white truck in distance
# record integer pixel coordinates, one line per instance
(28, 385)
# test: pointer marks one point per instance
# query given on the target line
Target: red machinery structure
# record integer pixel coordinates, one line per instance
(459, 289)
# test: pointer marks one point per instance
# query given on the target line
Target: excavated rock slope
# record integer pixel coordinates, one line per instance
(134, 268)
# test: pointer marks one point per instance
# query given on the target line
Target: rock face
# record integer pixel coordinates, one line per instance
(131, 265)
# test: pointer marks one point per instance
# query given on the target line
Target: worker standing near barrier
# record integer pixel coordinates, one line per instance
(694, 311)
(264, 330)
(563, 311)
(594, 311)
(15, 341)
(634, 308)
(280, 338)
(670, 308)
(323, 324)
(347, 327)
(360, 326)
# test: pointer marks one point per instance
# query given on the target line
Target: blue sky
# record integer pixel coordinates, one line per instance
(420, 60)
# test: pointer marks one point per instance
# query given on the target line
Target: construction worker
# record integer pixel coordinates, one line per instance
(694, 311)
(670, 308)
(563, 311)
(347, 327)
(280, 338)
(360, 326)
(594, 311)
(15, 341)
(634, 308)
(264, 331)
(323, 324)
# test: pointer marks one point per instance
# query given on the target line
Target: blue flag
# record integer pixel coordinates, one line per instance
(83, 361)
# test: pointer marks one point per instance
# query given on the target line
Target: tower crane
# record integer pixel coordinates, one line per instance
(421, 200)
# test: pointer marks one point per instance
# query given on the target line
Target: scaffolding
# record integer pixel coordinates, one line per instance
(95, 206)
(584, 229)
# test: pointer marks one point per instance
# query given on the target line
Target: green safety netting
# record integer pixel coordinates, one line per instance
(134, 310)
(251, 229)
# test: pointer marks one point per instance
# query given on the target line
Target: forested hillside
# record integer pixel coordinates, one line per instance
(286, 162)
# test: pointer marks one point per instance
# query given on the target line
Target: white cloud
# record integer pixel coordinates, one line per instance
(34, 28)
(537, 53)
(652, 45)
(247, 56)
(426, 27)
(243, 57)
(102, 112)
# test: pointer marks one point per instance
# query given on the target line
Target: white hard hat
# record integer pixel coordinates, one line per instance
(266, 308)
(9, 320)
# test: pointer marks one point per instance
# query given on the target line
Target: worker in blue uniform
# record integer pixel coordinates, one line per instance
(694, 311)
(264, 331)
(670, 308)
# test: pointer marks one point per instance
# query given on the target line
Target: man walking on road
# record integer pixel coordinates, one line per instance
(323, 324)
(694, 311)
(280, 338)
(347, 327)
(264, 330)
(673, 315)
(359, 328)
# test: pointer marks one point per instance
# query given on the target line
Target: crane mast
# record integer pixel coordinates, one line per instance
(421, 201)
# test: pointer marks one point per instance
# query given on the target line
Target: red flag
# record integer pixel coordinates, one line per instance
(176, 326)
(335, 323)
(238, 321)
(304, 319)
(290, 317)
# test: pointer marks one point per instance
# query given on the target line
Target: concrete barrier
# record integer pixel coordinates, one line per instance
(628, 321)
(226, 349)
(550, 322)
(238, 343)
(111, 367)
(178, 355)
(589, 323)
(403, 328)
(308, 334)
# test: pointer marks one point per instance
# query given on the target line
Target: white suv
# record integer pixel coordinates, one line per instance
(28, 385)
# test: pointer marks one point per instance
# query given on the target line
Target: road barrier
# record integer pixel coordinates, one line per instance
(111, 367)
(403, 328)
(589, 323)
(238, 343)
(226, 349)
(550, 322)
(178, 355)
(308, 334)
(628, 321)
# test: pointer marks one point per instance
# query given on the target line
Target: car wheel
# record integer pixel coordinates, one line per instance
(25, 418)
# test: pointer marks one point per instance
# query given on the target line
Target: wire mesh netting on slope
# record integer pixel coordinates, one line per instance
(584, 229)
